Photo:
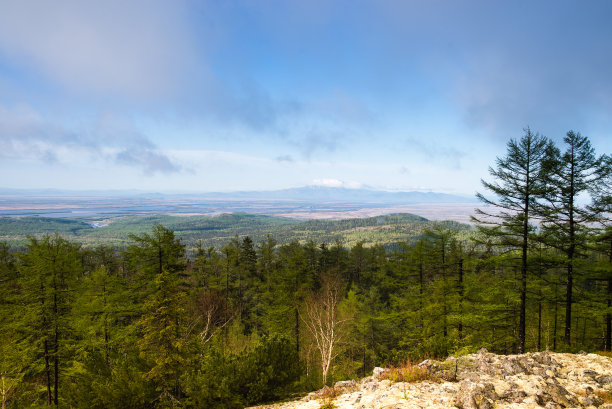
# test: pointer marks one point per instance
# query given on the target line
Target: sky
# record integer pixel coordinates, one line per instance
(200, 96)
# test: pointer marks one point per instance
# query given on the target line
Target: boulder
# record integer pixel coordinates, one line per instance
(552, 391)
(377, 372)
(475, 396)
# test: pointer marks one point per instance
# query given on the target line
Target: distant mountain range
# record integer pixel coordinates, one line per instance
(341, 194)
(310, 194)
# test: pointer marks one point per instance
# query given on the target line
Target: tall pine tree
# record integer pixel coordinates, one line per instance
(565, 222)
(518, 185)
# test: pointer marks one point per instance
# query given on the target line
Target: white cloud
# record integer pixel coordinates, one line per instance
(27, 135)
(325, 182)
(328, 182)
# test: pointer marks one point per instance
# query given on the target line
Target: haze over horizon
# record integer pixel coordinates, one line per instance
(237, 96)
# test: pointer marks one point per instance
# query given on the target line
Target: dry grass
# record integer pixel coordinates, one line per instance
(329, 392)
(327, 395)
(409, 372)
(327, 405)
(605, 395)
(604, 353)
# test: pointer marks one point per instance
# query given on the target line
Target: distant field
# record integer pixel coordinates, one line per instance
(321, 215)
(216, 231)
(99, 209)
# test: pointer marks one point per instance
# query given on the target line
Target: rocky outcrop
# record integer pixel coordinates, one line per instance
(479, 381)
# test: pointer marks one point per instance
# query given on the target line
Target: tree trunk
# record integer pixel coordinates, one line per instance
(570, 258)
(55, 351)
(297, 331)
(555, 325)
(523, 290)
(539, 325)
(56, 367)
(48, 373)
(568, 304)
(460, 325)
(609, 304)
(524, 248)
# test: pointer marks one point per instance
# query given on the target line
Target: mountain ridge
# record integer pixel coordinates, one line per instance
(304, 193)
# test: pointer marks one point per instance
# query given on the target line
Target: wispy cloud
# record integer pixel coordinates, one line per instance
(285, 158)
(26, 134)
(439, 152)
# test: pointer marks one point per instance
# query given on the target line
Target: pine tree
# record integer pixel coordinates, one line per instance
(518, 185)
(566, 223)
(49, 270)
(14, 354)
(155, 252)
(602, 206)
(165, 343)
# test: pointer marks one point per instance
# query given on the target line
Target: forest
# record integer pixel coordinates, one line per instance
(153, 324)
(216, 231)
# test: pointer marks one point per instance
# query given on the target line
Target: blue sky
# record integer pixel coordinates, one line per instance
(250, 95)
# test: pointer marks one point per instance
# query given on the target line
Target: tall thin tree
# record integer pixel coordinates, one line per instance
(518, 185)
(565, 222)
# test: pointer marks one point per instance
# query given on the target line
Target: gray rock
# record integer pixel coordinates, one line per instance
(554, 392)
(468, 376)
(475, 396)
(345, 384)
(591, 400)
(426, 363)
(514, 396)
(377, 372)
(512, 366)
(370, 386)
(604, 379)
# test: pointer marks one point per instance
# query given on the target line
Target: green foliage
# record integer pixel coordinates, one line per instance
(98, 386)
(213, 384)
(268, 371)
(216, 231)
(163, 343)
(145, 326)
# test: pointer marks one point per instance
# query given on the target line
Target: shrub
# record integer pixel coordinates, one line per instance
(228, 381)
(269, 370)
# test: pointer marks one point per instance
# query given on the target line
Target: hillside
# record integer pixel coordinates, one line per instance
(216, 231)
(478, 381)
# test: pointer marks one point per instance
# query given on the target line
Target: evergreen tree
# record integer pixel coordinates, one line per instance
(14, 354)
(518, 185)
(49, 270)
(155, 252)
(566, 223)
(602, 206)
(165, 343)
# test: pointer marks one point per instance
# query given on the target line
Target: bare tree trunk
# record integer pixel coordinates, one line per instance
(323, 321)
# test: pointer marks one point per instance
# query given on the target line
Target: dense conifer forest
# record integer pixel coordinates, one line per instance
(151, 325)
